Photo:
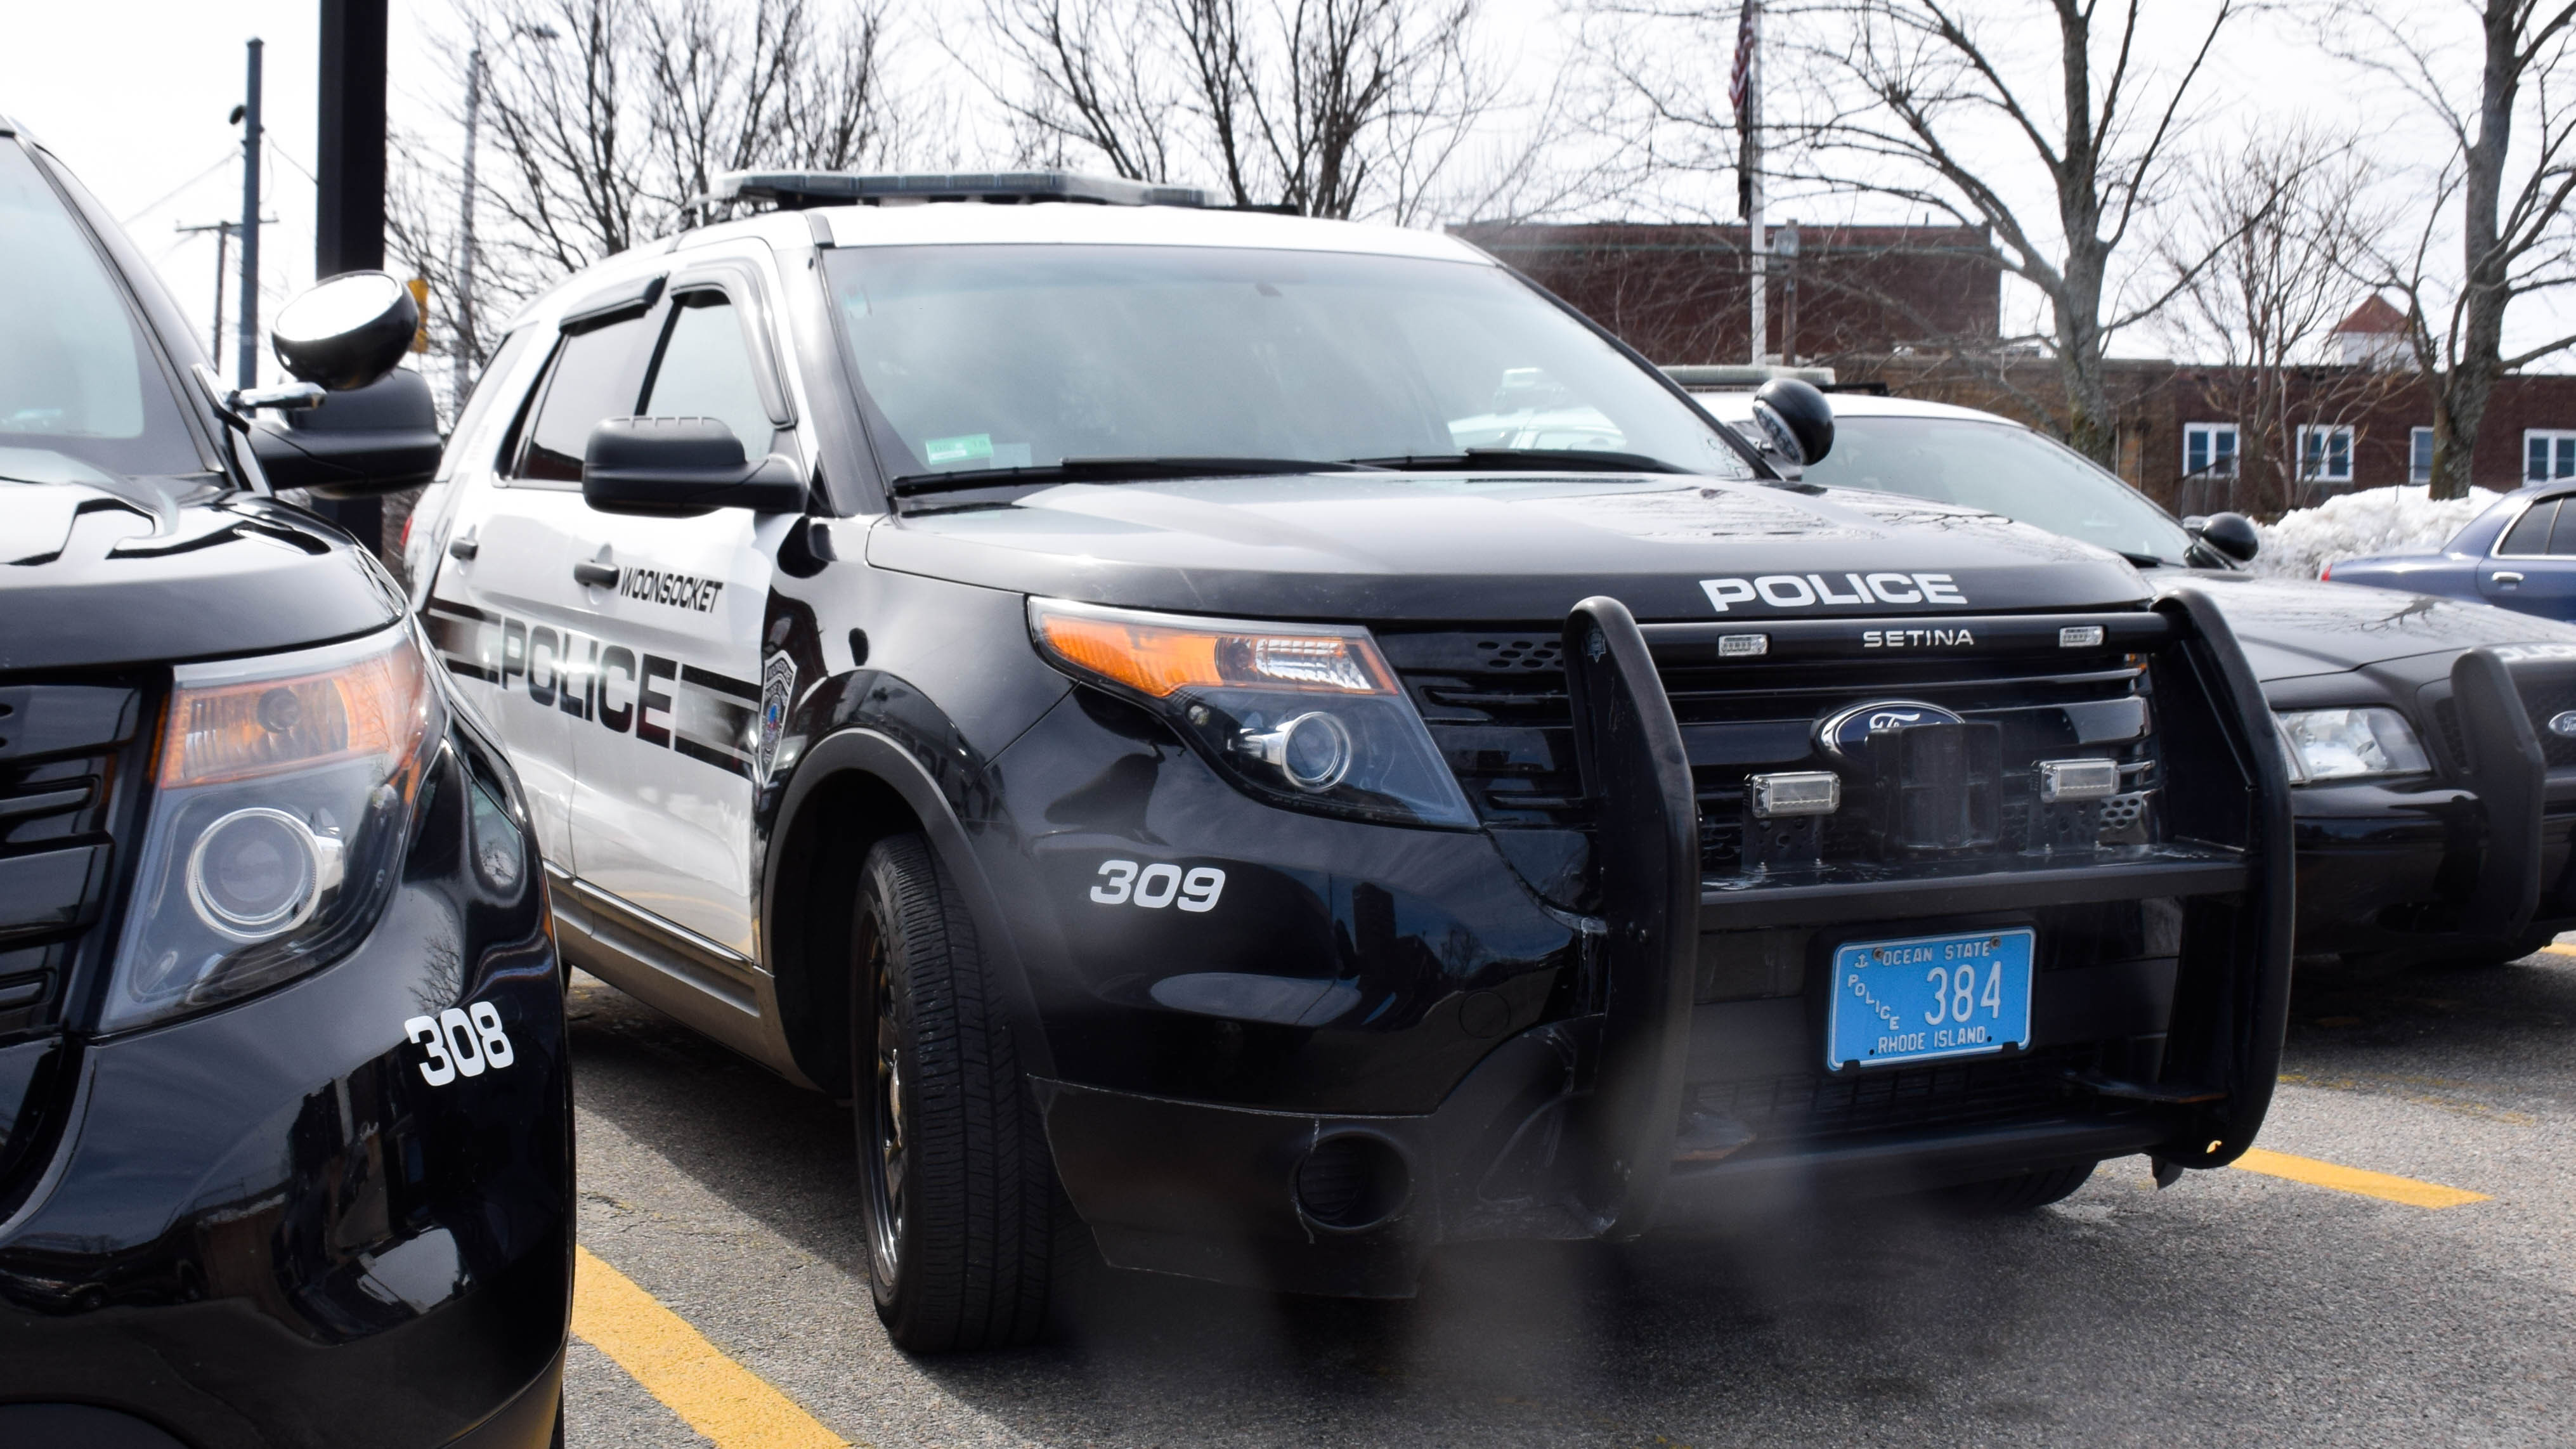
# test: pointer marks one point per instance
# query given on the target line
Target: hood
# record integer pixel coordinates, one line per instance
(2294, 627)
(1397, 547)
(111, 571)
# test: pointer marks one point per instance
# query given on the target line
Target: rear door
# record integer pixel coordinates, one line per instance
(2533, 567)
(507, 607)
(662, 813)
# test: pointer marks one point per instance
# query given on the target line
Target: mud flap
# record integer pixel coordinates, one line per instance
(1637, 775)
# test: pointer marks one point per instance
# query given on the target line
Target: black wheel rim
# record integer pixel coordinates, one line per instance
(882, 1151)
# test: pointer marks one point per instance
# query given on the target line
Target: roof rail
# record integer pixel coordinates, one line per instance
(1731, 377)
(796, 190)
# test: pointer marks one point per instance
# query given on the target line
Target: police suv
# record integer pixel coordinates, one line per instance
(1281, 738)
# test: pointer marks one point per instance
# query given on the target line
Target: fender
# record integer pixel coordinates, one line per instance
(866, 750)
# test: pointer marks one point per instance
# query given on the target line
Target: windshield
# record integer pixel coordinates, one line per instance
(2002, 469)
(982, 357)
(77, 376)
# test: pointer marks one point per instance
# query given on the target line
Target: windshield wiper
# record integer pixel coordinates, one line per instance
(1113, 470)
(1574, 460)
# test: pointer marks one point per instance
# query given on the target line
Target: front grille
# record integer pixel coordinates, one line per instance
(63, 749)
(1497, 707)
(1808, 1105)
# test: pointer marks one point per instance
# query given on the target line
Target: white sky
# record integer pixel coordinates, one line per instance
(133, 94)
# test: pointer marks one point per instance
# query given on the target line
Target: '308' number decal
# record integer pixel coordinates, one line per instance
(464, 1042)
(1158, 885)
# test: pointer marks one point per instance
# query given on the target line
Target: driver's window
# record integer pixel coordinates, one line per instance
(705, 371)
(592, 380)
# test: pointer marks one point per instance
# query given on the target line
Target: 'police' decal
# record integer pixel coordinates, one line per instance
(709, 717)
(1806, 591)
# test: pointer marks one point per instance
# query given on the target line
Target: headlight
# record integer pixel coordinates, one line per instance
(1303, 716)
(2349, 744)
(283, 793)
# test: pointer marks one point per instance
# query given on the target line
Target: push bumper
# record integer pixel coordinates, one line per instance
(1630, 1116)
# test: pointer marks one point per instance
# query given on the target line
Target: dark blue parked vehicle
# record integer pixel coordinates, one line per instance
(2519, 554)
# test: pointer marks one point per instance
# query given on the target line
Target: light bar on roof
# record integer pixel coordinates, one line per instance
(794, 190)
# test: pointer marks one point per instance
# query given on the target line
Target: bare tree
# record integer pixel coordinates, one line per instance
(2043, 121)
(601, 119)
(1327, 107)
(2512, 189)
(2264, 251)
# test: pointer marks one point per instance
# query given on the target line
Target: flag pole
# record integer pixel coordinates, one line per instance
(1747, 90)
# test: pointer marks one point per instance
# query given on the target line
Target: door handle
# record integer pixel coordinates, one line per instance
(2507, 576)
(595, 575)
(463, 549)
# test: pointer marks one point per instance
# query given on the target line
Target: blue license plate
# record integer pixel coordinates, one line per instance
(1929, 996)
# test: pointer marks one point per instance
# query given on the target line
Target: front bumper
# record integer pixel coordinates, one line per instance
(1644, 1099)
(2475, 860)
(263, 1225)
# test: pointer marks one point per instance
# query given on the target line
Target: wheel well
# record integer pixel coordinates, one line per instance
(810, 915)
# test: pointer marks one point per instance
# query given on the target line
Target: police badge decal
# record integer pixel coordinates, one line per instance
(777, 693)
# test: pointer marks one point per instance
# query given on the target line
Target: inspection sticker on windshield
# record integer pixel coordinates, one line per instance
(973, 447)
(1929, 996)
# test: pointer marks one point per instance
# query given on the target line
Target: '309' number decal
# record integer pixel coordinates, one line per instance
(1158, 885)
(461, 1042)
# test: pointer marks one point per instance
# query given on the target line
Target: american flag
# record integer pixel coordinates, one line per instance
(1739, 86)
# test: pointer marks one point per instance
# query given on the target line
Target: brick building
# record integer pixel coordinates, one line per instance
(1683, 293)
(1918, 311)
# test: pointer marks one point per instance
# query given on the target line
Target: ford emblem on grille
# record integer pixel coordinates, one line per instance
(1843, 732)
(2563, 724)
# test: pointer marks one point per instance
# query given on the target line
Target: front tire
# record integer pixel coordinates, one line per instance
(958, 1189)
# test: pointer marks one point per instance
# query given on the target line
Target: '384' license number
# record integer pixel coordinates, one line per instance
(1929, 996)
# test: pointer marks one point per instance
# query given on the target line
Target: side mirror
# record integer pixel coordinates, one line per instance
(680, 467)
(1796, 418)
(346, 332)
(375, 439)
(2232, 534)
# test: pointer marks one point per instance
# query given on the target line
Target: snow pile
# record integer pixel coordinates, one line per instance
(2372, 521)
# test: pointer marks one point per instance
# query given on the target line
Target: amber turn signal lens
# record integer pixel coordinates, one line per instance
(237, 730)
(1159, 657)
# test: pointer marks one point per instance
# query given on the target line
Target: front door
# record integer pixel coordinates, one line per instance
(662, 811)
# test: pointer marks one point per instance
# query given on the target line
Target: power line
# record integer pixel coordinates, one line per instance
(221, 162)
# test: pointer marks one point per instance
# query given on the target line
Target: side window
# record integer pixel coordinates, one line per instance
(498, 374)
(2562, 538)
(705, 371)
(2529, 536)
(593, 378)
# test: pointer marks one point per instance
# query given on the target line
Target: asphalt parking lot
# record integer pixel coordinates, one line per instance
(723, 1286)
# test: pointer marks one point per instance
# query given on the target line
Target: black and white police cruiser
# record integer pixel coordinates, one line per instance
(1283, 740)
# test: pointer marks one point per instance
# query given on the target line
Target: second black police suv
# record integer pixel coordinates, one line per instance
(1281, 736)
(285, 1148)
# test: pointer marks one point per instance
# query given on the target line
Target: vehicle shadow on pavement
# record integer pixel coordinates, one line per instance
(2125, 1314)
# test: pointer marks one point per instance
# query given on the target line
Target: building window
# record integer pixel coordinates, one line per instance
(2209, 450)
(2325, 453)
(2419, 455)
(2547, 454)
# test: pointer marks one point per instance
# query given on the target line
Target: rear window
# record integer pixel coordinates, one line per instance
(78, 377)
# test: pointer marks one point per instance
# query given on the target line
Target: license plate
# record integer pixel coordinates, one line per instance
(1924, 997)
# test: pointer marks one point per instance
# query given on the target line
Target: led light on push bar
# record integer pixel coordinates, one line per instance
(1806, 792)
(2079, 636)
(1742, 646)
(2078, 780)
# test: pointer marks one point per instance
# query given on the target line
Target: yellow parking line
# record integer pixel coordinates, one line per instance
(2353, 1179)
(2554, 949)
(674, 1362)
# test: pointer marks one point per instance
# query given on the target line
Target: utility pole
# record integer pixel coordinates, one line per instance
(247, 374)
(223, 231)
(468, 347)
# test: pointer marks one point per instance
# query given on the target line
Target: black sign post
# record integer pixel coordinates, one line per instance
(349, 214)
